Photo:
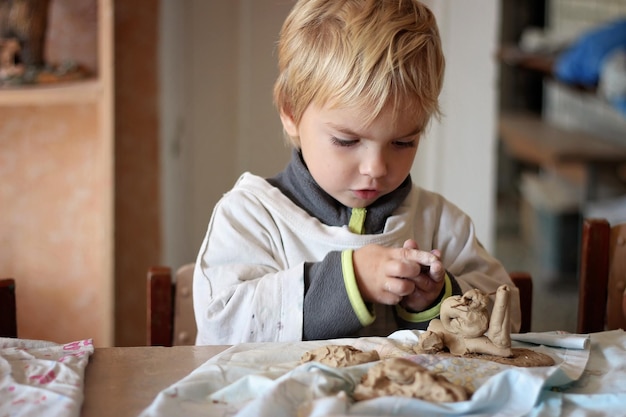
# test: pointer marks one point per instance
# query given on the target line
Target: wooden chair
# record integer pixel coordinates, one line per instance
(602, 277)
(8, 311)
(171, 320)
(524, 283)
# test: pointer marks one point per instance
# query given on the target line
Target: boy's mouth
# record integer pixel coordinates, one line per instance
(366, 194)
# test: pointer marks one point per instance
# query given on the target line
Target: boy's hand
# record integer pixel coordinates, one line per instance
(428, 284)
(391, 275)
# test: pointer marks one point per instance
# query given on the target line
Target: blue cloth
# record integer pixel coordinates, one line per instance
(582, 62)
(599, 391)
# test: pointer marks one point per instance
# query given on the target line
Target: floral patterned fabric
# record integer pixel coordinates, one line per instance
(39, 378)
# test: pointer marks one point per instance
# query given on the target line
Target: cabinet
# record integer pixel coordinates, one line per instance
(79, 178)
(577, 166)
(580, 157)
(57, 149)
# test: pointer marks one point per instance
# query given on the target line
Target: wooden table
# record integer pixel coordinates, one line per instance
(122, 381)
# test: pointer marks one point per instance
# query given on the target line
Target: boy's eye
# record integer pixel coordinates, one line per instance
(344, 142)
(405, 144)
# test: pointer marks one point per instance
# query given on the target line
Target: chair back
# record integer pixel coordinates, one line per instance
(8, 308)
(602, 277)
(170, 317)
(185, 329)
(524, 283)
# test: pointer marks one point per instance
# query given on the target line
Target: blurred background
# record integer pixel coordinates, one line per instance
(104, 176)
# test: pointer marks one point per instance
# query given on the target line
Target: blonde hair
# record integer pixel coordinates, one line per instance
(359, 53)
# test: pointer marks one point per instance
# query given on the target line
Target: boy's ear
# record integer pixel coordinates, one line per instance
(289, 125)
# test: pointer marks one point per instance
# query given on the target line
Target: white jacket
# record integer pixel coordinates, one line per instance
(249, 276)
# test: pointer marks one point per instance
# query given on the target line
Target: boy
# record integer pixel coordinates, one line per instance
(340, 237)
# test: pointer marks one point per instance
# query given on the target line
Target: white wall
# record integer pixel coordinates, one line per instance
(172, 52)
(218, 68)
(218, 120)
(458, 156)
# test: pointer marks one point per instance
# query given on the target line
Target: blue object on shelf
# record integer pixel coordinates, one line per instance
(582, 62)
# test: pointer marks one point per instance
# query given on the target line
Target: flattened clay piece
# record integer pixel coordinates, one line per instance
(521, 357)
(404, 378)
(339, 356)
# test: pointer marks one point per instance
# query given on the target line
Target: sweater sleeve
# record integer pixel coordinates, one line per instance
(328, 312)
(244, 288)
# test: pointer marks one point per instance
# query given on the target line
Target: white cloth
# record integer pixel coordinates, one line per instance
(266, 379)
(555, 339)
(39, 378)
(600, 391)
(249, 275)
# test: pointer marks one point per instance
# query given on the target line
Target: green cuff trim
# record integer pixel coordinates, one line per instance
(365, 316)
(429, 314)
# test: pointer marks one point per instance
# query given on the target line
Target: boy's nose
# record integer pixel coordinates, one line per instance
(374, 165)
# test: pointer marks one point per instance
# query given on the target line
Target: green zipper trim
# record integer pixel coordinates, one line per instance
(357, 220)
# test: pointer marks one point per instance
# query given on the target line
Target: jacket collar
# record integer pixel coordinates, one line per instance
(297, 183)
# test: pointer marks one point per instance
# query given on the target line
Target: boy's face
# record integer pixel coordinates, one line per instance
(353, 162)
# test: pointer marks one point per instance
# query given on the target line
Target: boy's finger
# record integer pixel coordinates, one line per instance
(410, 244)
(399, 286)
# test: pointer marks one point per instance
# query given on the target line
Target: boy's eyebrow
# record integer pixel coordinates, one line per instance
(343, 129)
(351, 132)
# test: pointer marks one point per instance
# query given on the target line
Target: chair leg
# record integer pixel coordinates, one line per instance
(8, 308)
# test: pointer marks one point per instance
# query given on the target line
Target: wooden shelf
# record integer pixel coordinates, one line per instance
(75, 92)
(514, 56)
(530, 138)
(541, 63)
(574, 155)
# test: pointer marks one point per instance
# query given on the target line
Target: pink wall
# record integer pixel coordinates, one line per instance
(57, 237)
(49, 226)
